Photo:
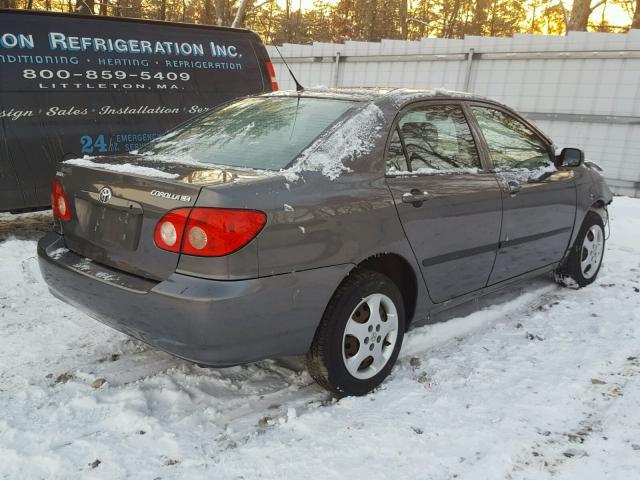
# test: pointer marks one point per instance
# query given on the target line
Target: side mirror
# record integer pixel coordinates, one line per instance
(570, 157)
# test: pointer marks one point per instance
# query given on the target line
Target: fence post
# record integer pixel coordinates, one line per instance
(336, 75)
(467, 73)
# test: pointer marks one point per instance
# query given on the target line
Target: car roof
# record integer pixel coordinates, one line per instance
(398, 95)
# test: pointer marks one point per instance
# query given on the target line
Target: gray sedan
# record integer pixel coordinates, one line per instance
(320, 223)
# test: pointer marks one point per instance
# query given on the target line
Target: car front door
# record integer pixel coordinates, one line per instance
(449, 205)
(539, 200)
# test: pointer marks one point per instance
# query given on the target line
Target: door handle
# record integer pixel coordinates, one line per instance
(415, 196)
(513, 187)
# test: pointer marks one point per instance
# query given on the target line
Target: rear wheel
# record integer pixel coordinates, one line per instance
(360, 335)
(585, 258)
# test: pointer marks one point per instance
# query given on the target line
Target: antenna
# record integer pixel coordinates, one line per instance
(299, 88)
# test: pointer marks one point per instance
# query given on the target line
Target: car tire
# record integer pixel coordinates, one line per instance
(353, 350)
(584, 260)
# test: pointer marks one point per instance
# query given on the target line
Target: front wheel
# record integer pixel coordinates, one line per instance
(585, 257)
(360, 335)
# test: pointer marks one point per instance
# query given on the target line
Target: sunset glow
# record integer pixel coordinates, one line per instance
(614, 14)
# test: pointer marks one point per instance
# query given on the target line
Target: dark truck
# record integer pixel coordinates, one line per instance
(75, 85)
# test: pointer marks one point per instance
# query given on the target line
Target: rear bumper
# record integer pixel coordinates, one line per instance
(211, 322)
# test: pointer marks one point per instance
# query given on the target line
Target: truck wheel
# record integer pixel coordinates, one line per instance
(585, 257)
(360, 335)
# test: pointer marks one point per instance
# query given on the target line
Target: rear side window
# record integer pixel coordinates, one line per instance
(433, 139)
(396, 159)
(259, 132)
(511, 143)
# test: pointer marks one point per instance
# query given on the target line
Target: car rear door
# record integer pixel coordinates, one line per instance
(539, 201)
(448, 203)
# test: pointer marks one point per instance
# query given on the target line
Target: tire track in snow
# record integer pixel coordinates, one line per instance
(278, 388)
(556, 449)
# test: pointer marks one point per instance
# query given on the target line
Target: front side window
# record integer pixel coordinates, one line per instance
(256, 132)
(512, 145)
(435, 139)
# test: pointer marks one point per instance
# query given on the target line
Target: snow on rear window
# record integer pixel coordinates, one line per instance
(331, 152)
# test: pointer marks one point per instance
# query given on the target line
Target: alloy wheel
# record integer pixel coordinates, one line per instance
(591, 252)
(370, 336)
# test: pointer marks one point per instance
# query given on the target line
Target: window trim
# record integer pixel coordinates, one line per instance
(485, 167)
(514, 115)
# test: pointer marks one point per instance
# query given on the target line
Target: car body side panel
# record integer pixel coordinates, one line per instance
(312, 222)
(591, 189)
(319, 223)
(456, 230)
(537, 223)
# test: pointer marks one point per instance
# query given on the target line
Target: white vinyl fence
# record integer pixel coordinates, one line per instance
(582, 89)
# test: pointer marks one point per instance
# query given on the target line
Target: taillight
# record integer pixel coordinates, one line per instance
(208, 232)
(59, 201)
(170, 228)
(272, 77)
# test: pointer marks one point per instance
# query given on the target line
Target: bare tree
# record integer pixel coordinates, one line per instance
(220, 12)
(636, 16)
(163, 9)
(580, 12)
(479, 17)
(85, 7)
(404, 21)
(370, 20)
(447, 26)
(241, 14)
(207, 17)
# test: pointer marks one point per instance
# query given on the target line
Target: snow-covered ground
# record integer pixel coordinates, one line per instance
(541, 382)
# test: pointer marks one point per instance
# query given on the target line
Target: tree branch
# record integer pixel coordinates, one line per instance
(238, 22)
(602, 2)
(565, 16)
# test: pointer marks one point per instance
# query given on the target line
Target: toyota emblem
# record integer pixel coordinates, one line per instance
(105, 195)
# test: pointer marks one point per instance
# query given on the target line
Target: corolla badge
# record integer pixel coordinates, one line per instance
(105, 195)
(170, 196)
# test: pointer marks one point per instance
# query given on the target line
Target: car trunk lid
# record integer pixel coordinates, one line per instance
(116, 204)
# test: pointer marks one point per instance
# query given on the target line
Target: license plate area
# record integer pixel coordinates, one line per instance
(109, 226)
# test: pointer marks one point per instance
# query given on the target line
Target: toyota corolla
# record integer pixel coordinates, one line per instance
(320, 223)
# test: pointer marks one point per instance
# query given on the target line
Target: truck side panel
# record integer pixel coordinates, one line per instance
(73, 86)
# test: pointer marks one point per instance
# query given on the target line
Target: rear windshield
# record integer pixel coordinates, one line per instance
(258, 132)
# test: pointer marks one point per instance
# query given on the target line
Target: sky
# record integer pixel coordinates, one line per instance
(304, 4)
(615, 13)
